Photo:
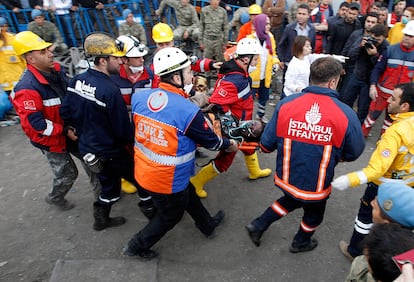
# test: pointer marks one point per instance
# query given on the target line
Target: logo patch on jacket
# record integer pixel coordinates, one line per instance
(157, 101)
(222, 92)
(386, 153)
(29, 105)
(310, 129)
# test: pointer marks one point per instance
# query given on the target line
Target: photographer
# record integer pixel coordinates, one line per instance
(392, 68)
(365, 55)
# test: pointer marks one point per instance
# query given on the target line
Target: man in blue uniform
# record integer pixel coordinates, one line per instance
(96, 110)
(312, 132)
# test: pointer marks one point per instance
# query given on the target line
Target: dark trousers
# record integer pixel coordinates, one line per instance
(263, 95)
(357, 89)
(363, 221)
(313, 213)
(121, 166)
(170, 210)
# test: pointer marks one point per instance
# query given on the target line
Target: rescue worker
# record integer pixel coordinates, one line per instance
(163, 37)
(312, 132)
(11, 65)
(95, 108)
(248, 28)
(132, 75)
(394, 67)
(392, 161)
(37, 98)
(168, 128)
(234, 94)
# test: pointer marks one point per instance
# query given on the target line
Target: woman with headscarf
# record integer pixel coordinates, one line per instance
(262, 74)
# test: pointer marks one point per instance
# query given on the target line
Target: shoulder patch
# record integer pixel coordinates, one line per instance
(29, 105)
(386, 153)
(222, 92)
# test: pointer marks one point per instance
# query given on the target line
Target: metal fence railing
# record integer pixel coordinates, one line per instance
(74, 26)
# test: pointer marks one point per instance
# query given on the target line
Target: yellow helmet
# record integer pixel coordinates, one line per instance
(162, 33)
(255, 9)
(101, 44)
(27, 41)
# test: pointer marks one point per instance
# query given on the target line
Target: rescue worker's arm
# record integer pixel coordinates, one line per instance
(354, 141)
(202, 134)
(379, 163)
(203, 65)
(29, 105)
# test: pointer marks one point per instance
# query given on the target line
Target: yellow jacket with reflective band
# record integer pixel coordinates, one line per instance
(392, 160)
(11, 65)
(272, 59)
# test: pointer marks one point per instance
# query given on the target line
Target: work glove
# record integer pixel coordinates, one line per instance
(341, 183)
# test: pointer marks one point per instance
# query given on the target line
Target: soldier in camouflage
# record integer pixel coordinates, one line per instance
(214, 30)
(130, 27)
(47, 31)
(188, 26)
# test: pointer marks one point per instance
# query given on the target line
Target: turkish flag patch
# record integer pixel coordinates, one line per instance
(222, 92)
(29, 105)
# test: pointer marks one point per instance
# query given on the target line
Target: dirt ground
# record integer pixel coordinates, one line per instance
(35, 236)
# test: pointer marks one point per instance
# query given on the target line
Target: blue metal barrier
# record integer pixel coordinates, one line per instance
(76, 25)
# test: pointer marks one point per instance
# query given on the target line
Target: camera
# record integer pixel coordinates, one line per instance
(370, 42)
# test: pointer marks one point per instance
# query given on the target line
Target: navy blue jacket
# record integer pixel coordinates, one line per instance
(312, 132)
(94, 106)
(284, 47)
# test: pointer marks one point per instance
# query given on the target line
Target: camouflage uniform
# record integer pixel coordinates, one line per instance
(235, 21)
(136, 30)
(49, 33)
(359, 271)
(187, 17)
(214, 31)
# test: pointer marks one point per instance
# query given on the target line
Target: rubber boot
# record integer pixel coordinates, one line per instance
(127, 187)
(102, 219)
(255, 172)
(202, 177)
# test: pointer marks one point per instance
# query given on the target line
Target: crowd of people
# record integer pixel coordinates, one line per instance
(136, 118)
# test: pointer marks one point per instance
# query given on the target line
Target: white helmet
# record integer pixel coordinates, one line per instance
(168, 60)
(132, 46)
(248, 46)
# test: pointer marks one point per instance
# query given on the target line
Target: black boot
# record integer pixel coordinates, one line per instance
(133, 249)
(254, 234)
(214, 222)
(102, 219)
(147, 208)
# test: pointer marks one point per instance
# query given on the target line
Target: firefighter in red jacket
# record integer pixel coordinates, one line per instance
(234, 94)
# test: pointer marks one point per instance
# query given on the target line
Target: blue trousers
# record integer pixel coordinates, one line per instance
(363, 221)
(313, 213)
